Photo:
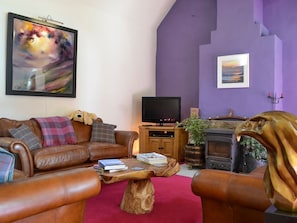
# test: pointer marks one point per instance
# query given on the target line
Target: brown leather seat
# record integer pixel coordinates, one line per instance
(229, 197)
(58, 197)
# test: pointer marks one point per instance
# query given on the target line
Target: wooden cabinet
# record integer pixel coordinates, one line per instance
(167, 140)
(161, 145)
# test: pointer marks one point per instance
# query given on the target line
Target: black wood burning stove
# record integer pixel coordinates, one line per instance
(221, 149)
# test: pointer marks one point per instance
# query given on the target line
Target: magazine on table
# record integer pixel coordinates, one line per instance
(100, 170)
(152, 158)
(112, 164)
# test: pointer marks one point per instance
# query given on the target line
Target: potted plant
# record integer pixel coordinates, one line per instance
(195, 126)
(195, 149)
(254, 153)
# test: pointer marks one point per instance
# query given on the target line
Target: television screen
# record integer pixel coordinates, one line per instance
(161, 109)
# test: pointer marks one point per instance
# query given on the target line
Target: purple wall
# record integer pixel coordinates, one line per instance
(195, 32)
(237, 36)
(187, 25)
(281, 18)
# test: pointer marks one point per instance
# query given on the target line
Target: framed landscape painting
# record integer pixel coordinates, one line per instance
(233, 71)
(41, 58)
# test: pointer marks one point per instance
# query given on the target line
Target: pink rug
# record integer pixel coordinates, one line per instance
(174, 203)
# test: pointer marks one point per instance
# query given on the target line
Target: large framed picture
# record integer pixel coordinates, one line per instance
(41, 58)
(233, 71)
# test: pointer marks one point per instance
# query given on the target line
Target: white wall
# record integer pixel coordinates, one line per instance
(115, 60)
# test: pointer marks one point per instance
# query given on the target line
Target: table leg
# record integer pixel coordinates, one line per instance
(139, 197)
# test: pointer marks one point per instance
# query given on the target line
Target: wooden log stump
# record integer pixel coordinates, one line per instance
(139, 197)
(195, 156)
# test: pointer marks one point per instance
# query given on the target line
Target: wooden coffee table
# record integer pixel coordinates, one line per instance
(139, 195)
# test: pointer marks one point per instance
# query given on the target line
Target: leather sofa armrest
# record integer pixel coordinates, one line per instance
(245, 190)
(248, 191)
(35, 195)
(6, 141)
(126, 138)
(18, 147)
(211, 184)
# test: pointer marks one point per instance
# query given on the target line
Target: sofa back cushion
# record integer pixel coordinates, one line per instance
(83, 132)
(6, 124)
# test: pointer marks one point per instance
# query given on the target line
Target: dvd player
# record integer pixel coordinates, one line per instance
(169, 134)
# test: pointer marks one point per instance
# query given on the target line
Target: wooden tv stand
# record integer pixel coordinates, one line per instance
(167, 140)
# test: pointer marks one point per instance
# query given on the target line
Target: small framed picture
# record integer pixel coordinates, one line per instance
(233, 71)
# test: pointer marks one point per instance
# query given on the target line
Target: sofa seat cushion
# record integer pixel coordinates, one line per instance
(100, 150)
(18, 175)
(49, 158)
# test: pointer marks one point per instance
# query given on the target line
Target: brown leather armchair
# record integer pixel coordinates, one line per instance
(229, 197)
(58, 197)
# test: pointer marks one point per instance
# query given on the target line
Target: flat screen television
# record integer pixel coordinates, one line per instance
(161, 110)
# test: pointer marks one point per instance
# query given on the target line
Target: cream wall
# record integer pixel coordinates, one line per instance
(115, 60)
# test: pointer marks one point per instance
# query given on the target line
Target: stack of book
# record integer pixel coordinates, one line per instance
(152, 158)
(111, 165)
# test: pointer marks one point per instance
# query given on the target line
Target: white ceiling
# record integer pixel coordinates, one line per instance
(147, 11)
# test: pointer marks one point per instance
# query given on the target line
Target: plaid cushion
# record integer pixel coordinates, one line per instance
(102, 132)
(24, 133)
(56, 131)
(6, 166)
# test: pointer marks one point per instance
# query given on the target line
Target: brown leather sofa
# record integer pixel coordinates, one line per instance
(229, 197)
(58, 197)
(49, 159)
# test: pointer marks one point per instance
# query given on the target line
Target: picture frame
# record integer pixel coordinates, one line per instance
(40, 58)
(233, 71)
